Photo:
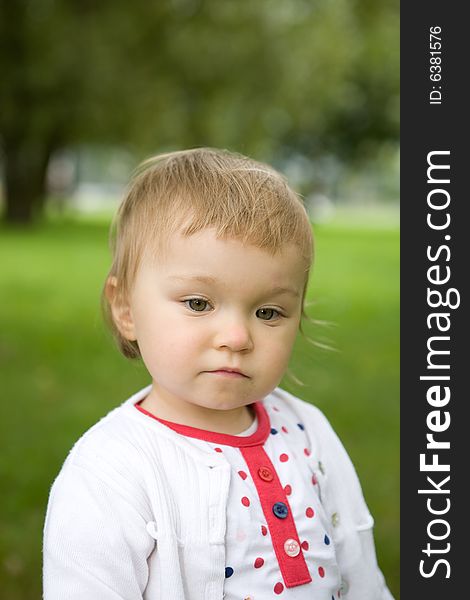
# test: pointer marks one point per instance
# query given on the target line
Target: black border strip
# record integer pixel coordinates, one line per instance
(434, 269)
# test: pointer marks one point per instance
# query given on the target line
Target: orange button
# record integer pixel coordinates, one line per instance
(265, 474)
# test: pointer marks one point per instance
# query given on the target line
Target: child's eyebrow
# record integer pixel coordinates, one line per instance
(208, 279)
(199, 278)
(284, 290)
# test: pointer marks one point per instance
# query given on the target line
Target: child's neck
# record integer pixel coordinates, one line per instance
(230, 422)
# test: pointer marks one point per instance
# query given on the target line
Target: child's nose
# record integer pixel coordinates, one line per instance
(234, 335)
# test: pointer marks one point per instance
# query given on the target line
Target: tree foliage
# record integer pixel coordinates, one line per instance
(262, 77)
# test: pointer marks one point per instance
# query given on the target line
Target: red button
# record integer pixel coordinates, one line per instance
(265, 474)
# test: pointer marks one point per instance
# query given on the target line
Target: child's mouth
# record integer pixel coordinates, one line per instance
(231, 373)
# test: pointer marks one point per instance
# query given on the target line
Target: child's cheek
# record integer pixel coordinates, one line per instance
(277, 355)
(181, 347)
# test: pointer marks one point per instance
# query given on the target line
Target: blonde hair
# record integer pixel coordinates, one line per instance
(192, 190)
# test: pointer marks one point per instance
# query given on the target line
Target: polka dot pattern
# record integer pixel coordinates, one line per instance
(245, 501)
(284, 429)
(284, 457)
(259, 562)
(305, 545)
(242, 474)
(274, 431)
(321, 571)
(278, 588)
(264, 530)
(288, 490)
(307, 452)
(218, 449)
(326, 539)
(228, 572)
(309, 512)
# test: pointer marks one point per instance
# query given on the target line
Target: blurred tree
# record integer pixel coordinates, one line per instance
(42, 45)
(262, 77)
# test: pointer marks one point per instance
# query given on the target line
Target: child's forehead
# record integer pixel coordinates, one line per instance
(208, 257)
(178, 245)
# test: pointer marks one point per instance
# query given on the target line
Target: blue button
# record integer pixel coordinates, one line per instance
(280, 510)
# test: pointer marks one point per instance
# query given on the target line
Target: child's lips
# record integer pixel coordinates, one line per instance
(228, 372)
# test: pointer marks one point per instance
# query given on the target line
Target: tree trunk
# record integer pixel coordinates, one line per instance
(25, 170)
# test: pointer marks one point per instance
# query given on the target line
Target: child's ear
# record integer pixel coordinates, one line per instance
(120, 310)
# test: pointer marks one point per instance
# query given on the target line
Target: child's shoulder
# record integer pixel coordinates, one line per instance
(336, 473)
(126, 441)
(117, 439)
(309, 416)
(323, 441)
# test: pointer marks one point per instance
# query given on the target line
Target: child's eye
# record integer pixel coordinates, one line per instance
(267, 314)
(197, 304)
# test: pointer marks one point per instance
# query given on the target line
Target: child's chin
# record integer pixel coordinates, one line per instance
(227, 404)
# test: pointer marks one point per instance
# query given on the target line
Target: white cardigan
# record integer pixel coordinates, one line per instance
(138, 512)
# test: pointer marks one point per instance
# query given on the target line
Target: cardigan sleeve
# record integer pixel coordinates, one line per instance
(95, 541)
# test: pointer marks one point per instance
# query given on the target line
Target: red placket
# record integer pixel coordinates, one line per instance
(280, 521)
(272, 496)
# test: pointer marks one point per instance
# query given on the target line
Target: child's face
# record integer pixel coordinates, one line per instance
(207, 306)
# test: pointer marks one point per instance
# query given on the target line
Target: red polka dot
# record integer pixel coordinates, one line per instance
(218, 449)
(275, 408)
(305, 545)
(242, 474)
(283, 458)
(321, 571)
(245, 501)
(284, 429)
(288, 490)
(306, 452)
(314, 480)
(264, 531)
(259, 562)
(309, 512)
(278, 588)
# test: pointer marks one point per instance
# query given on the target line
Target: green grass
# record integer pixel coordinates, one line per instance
(60, 372)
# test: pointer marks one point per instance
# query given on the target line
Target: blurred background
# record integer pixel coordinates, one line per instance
(89, 89)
